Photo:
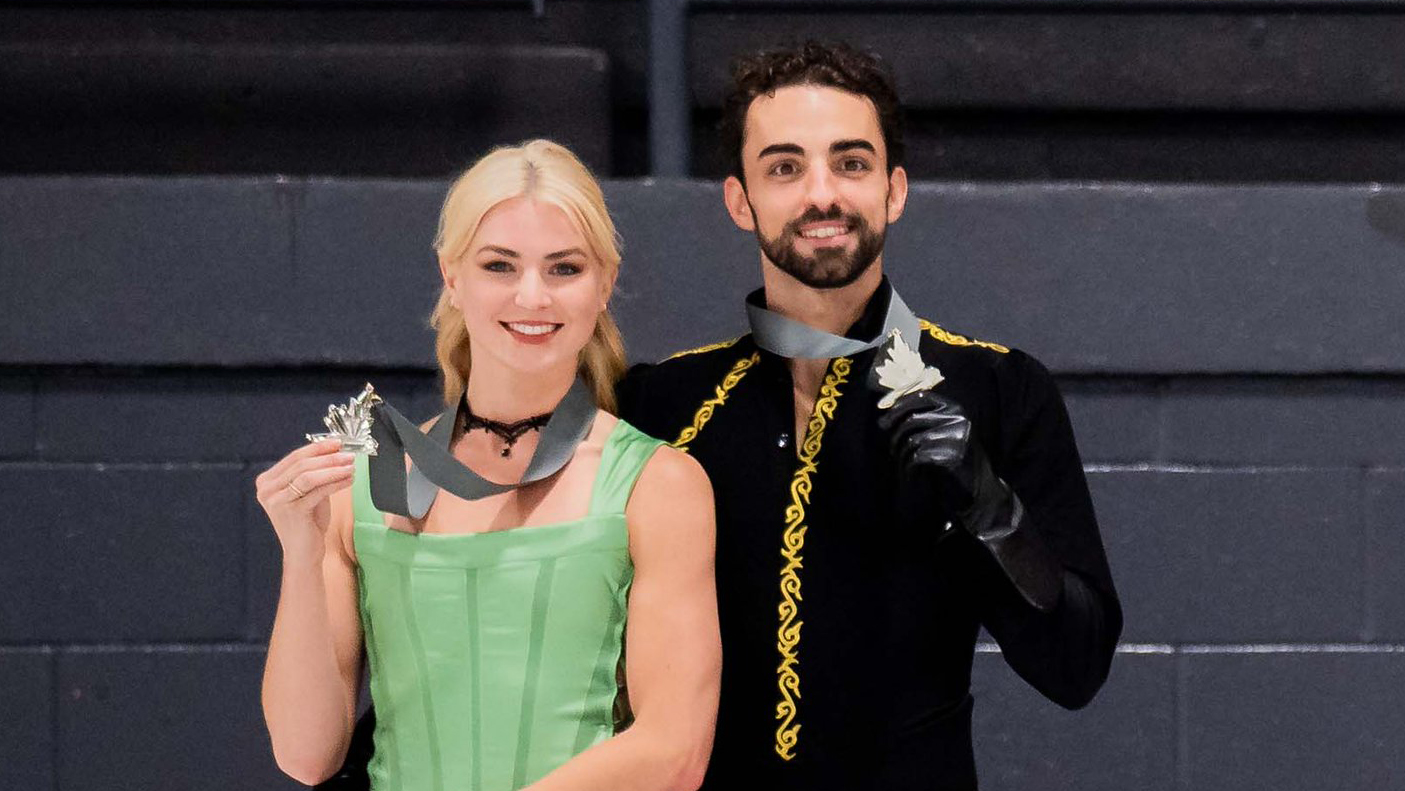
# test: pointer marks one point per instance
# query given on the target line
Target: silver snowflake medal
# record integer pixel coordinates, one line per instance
(351, 423)
(901, 370)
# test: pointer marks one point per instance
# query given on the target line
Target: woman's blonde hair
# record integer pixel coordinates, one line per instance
(547, 172)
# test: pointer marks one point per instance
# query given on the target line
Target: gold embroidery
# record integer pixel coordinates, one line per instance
(953, 339)
(705, 411)
(788, 734)
(711, 347)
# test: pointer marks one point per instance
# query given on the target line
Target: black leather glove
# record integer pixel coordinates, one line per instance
(932, 440)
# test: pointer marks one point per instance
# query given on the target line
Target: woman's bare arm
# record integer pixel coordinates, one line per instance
(313, 668)
(673, 652)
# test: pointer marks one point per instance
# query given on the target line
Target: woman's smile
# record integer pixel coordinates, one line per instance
(532, 332)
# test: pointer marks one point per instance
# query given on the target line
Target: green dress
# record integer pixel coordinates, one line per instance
(492, 655)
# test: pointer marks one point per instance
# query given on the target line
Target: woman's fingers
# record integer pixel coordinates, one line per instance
(279, 474)
(269, 484)
(327, 488)
(310, 480)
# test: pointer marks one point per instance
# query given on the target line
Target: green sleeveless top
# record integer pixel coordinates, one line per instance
(492, 655)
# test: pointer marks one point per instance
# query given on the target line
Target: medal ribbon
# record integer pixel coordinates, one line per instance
(789, 338)
(433, 467)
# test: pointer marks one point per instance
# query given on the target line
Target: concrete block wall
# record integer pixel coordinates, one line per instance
(1233, 358)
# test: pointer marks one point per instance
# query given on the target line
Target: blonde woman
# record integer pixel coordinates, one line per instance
(493, 626)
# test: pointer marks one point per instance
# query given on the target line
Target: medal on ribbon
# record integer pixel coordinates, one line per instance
(900, 370)
(352, 423)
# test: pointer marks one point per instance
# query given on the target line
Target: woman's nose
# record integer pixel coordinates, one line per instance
(532, 293)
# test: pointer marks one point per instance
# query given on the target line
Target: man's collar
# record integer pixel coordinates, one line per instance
(788, 337)
(869, 322)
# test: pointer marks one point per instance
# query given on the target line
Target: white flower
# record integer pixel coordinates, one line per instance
(904, 371)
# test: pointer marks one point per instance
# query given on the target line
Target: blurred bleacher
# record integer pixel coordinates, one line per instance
(1159, 90)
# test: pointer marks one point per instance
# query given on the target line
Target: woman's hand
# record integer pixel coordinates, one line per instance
(295, 492)
(313, 666)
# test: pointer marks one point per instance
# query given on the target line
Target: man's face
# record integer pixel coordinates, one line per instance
(818, 194)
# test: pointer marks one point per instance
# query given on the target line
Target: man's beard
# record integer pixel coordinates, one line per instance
(829, 267)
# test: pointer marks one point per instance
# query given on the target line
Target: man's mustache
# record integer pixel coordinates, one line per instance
(815, 215)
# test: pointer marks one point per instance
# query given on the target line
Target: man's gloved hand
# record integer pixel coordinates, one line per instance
(932, 439)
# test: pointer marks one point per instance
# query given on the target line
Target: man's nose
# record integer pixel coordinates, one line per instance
(821, 189)
(532, 293)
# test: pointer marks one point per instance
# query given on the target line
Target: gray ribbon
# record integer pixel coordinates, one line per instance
(433, 467)
(789, 338)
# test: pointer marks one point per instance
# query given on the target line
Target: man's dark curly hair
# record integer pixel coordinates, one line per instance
(833, 65)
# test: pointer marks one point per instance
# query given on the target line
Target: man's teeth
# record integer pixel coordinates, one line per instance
(533, 329)
(823, 233)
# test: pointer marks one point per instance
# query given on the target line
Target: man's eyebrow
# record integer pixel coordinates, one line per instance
(499, 250)
(839, 146)
(564, 253)
(780, 148)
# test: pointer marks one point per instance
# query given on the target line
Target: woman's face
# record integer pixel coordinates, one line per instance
(529, 288)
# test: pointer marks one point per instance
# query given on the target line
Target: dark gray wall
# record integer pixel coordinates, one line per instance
(1168, 90)
(1234, 359)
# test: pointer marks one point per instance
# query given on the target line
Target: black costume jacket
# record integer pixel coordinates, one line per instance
(849, 607)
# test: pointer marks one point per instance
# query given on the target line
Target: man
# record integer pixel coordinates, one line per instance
(860, 548)
(865, 534)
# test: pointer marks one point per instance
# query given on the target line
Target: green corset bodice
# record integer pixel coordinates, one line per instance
(492, 655)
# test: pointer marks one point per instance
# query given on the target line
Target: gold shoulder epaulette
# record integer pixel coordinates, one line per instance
(952, 339)
(711, 347)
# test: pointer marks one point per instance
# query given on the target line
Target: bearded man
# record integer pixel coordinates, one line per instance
(879, 499)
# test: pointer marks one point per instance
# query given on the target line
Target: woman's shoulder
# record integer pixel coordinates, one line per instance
(672, 474)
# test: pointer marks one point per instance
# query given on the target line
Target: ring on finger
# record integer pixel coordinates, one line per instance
(299, 493)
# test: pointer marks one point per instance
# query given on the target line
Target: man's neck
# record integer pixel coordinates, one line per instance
(830, 309)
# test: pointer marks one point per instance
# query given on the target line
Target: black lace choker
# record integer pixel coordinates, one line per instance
(508, 432)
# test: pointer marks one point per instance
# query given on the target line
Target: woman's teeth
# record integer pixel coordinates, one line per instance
(532, 329)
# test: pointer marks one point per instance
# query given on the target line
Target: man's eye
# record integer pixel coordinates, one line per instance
(566, 269)
(784, 169)
(854, 165)
(497, 266)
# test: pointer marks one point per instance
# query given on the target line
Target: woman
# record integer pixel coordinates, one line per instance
(493, 626)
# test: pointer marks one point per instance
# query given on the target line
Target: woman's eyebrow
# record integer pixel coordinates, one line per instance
(564, 253)
(499, 250)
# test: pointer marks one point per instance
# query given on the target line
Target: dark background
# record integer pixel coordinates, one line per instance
(215, 220)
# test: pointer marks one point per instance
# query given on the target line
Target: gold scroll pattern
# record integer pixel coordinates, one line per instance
(952, 339)
(711, 347)
(704, 413)
(793, 541)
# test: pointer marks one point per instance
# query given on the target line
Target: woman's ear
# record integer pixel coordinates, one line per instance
(449, 274)
(608, 289)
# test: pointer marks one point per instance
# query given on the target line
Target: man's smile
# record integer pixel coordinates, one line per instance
(824, 230)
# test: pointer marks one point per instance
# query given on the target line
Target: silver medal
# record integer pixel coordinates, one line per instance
(902, 370)
(351, 423)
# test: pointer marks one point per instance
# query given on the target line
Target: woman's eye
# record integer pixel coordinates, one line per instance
(497, 266)
(566, 269)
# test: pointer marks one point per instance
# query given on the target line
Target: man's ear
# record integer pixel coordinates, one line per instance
(734, 195)
(897, 193)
